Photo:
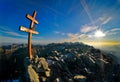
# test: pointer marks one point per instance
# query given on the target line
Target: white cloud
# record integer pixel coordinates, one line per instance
(104, 19)
(61, 33)
(86, 28)
(37, 37)
(86, 8)
(12, 40)
(23, 39)
(112, 31)
(73, 36)
(83, 36)
(5, 30)
(13, 33)
(115, 29)
(77, 34)
(4, 39)
(101, 20)
(56, 32)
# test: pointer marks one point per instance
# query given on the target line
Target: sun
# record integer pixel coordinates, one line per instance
(99, 33)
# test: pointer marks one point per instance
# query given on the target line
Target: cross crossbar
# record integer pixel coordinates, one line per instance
(27, 30)
(31, 18)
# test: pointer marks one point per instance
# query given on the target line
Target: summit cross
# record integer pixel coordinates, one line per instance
(30, 31)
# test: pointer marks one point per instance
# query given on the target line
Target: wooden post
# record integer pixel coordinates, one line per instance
(30, 31)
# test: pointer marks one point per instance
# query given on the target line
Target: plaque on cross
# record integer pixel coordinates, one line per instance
(31, 31)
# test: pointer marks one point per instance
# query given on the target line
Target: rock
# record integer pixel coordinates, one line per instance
(101, 62)
(57, 80)
(88, 60)
(43, 79)
(32, 76)
(79, 78)
(41, 66)
(36, 69)
(56, 58)
(44, 66)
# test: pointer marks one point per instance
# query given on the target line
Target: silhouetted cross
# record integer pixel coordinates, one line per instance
(30, 31)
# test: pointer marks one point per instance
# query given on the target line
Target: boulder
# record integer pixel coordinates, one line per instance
(31, 74)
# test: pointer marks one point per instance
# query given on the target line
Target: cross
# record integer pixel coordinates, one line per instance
(30, 31)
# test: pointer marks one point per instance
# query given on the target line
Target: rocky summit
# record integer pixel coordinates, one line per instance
(71, 62)
(66, 62)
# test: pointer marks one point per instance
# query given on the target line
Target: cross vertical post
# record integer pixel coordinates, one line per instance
(30, 31)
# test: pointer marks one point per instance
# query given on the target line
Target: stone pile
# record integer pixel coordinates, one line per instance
(36, 69)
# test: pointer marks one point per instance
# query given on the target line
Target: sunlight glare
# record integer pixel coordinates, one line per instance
(99, 33)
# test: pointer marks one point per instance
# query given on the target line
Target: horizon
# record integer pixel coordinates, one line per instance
(94, 44)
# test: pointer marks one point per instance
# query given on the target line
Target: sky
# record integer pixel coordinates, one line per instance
(94, 22)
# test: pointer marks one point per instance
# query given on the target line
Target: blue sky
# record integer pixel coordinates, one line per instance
(60, 20)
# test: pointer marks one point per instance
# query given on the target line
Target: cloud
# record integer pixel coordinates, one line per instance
(16, 34)
(55, 11)
(13, 34)
(83, 36)
(85, 6)
(73, 7)
(86, 28)
(112, 31)
(5, 39)
(105, 19)
(72, 36)
(115, 29)
(56, 25)
(61, 33)
(102, 20)
(37, 37)
(56, 32)
(5, 30)
(87, 31)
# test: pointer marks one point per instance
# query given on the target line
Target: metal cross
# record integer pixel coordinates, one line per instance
(30, 31)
